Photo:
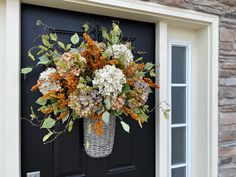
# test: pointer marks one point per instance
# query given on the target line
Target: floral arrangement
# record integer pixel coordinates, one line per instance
(89, 79)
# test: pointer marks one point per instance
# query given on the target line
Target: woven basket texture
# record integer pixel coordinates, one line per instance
(99, 146)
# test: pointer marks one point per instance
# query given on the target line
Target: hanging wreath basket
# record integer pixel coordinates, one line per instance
(95, 145)
(96, 77)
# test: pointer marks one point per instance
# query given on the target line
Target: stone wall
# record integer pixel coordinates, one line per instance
(226, 9)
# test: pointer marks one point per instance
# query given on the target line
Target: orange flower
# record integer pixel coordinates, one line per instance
(131, 113)
(130, 70)
(151, 83)
(50, 93)
(47, 110)
(98, 128)
(62, 115)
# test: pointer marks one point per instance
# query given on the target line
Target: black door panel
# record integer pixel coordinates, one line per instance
(133, 154)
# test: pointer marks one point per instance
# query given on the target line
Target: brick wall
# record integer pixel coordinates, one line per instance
(226, 9)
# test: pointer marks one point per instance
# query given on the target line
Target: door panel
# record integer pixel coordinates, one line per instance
(133, 154)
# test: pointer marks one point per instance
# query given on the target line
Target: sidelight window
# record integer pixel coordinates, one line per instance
(179, 124)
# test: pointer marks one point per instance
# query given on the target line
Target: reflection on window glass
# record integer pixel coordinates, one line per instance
(178, 102)
(178, 64)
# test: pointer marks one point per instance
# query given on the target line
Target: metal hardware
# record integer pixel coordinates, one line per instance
(33, 174)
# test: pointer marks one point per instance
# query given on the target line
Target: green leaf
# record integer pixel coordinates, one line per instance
(125, 126)
(47, 136)
(140, 123)
(48, 123)
(104, 33)
(80, 85)
(26, 70)
(41, 101)
(70, 126)
(116, 29)
(148, 66)
(86, 27)
(139, 59)
(43, 47)
(126, 88)
(32, 115)
(45, 41)
(106, 117)
(166, 114)
(44, 60)
(152, 73)
(107, 102)
(82, 80)
(101, 110)
(53, 36)
(65, 118)
(30, 55)
(68, 46)
(61, 44)
(75, 39)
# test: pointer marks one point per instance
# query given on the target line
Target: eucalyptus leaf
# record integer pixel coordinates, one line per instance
(48, 123)
(70, 126)
(75, 39)
(86, 27)
(106, 117)
(32, 115)
(107, 102)
(45, 41)
(166, 114)
(44, 60)
(47, 136)
(61, 44)
(41, 101)
(65, 118)
(139, 59)
(68, 46)
(53, 36)
(26, 70)
(148, 66)
(152, 73)
(125, 126)
(30, 55)
(104, 34)
(140, 123)
(80, 85)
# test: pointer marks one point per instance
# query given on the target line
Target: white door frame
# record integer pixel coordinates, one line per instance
(129, 9)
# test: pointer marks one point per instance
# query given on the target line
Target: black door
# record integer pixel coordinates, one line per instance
(133, 154)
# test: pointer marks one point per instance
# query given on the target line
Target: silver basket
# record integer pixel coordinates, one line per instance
(99, 146)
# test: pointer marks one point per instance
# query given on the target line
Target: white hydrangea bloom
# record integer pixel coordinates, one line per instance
(120, 51)
(46, 84)
(109, 80)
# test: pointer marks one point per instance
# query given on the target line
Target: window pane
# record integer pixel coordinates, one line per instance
(178, 145)
(179, 172)
(178, 64)
(178, 105)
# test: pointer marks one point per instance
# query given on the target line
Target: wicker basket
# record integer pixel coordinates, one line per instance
(99, 146)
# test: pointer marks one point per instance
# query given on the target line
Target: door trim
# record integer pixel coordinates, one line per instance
(129, 9)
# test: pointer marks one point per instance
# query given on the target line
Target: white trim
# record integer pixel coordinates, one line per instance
(130, 9)
(187, 86)
(162, 124)
(2, 90)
